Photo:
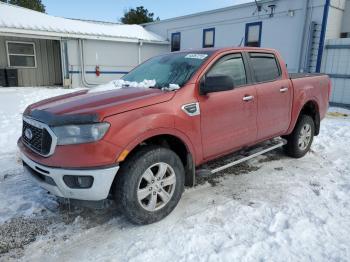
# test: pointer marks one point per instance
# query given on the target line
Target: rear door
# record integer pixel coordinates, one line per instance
(228, 118)
(274, 95)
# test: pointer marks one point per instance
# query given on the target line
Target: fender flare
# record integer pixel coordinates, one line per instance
(162, 131)
(295, 120)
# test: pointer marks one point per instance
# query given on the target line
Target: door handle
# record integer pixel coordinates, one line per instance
(283, 89)
(248, 98)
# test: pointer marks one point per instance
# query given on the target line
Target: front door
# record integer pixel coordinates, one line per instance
(228, 118)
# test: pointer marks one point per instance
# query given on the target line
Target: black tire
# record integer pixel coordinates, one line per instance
(129, 179)
(293, 148)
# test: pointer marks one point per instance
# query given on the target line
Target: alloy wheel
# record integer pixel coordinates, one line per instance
(156, 186)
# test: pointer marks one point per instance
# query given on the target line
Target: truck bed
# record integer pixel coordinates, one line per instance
(314, 86)
(302, 75)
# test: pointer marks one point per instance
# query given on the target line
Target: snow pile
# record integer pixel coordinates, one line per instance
(117, 84)
(294, 209)
(29, 199)
(13, 18)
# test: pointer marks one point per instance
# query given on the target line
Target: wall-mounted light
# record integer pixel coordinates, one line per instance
(291, 13)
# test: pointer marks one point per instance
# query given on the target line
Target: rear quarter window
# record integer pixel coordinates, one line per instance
(265, 67)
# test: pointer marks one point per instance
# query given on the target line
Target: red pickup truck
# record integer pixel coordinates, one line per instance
(140, 144)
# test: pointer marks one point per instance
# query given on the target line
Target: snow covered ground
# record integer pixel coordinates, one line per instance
(282, 210)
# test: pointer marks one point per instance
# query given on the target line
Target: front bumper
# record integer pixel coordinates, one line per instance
(51, 179)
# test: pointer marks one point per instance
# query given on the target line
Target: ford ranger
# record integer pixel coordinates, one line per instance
(141, 144)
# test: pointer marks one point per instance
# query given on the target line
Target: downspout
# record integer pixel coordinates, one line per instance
(84, 82)
(140, 56)
(303, 35)
(63, 63)
(323, 35)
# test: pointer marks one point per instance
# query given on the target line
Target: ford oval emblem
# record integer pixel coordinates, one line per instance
(28, 133)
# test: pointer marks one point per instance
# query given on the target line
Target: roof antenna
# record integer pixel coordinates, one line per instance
(259, 7)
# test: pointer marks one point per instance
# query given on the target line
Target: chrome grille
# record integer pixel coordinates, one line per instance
(38, 137)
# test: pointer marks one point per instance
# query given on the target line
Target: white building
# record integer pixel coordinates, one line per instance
(297, 28)
(38, 49)
(41, 50)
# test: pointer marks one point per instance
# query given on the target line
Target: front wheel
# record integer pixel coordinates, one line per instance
(299, 142)
(150, 184)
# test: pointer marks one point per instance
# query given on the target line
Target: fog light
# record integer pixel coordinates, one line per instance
(85, 181)
(78, 181)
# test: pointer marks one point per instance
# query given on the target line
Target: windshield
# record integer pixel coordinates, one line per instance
(170, 69)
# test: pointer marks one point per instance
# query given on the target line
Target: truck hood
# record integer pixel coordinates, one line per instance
(102, 104)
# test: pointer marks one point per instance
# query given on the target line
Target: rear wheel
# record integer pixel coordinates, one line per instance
(150, 184)
(299, 142)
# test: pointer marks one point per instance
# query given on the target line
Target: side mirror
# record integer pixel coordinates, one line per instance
(216, 83)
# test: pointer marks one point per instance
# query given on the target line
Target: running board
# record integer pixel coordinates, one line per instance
(243, 155)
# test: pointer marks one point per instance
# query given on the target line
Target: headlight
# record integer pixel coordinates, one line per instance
(79, 134)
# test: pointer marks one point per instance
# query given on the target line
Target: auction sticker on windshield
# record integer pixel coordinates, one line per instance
(197, 56)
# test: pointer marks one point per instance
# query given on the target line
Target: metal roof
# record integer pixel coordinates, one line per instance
(18, 20)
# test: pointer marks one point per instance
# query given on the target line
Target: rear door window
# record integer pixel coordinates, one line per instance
(265, 67)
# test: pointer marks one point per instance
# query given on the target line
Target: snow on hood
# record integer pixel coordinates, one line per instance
(171, 87)
(117, 84)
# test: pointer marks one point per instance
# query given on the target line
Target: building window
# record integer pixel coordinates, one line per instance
(253, 34)
(175, 42)
(344, 35)
(209, 37)
(21, 54)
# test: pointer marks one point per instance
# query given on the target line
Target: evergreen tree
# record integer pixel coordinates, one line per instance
(36, 5)
(138, 16)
